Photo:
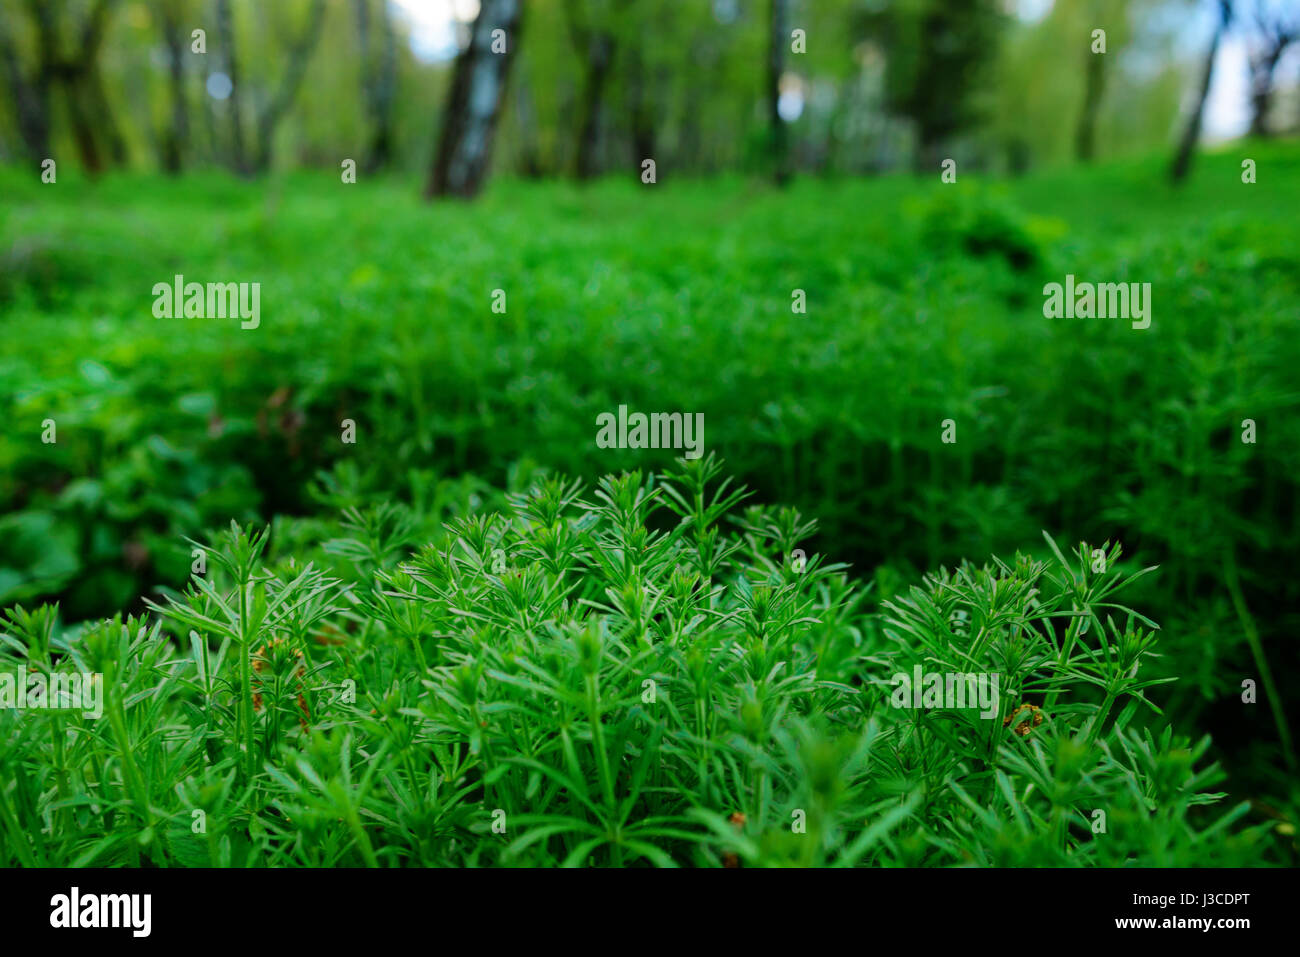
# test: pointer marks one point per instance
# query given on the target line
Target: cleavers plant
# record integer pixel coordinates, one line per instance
(651, 674)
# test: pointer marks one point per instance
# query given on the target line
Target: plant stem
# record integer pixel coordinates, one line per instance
(1257, 650)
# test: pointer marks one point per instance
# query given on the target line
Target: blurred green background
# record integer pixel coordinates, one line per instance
(775, 170)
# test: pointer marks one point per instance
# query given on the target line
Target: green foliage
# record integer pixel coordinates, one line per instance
(924, 304)
(939, 53)
(639, 675)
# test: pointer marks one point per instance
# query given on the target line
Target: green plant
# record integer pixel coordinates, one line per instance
(651, 674)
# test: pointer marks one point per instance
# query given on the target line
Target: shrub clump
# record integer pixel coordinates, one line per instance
(649, 674)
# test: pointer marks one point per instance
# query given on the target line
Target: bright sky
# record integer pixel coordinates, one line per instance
(432, 25)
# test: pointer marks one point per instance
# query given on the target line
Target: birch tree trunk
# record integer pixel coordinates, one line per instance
(478, 89)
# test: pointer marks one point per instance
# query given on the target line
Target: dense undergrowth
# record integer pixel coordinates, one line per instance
(652, 672)
(924, 303)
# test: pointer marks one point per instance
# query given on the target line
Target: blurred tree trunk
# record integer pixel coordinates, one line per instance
(31, 99)
(92, 80)
(1262, 93)
(83, 134)
(226, 35)
(845, 107)
(79, 78)
(1192, 132)
(689, 140)
(378, 83)
(210, 132)
(1277, 36)
(780, 36)
(595, 48)
(643, 118)
(600, 53)
(1094, 84)
(478, 88)
(106, 118)
(530, 153)
(176, 136)
(299, 56)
